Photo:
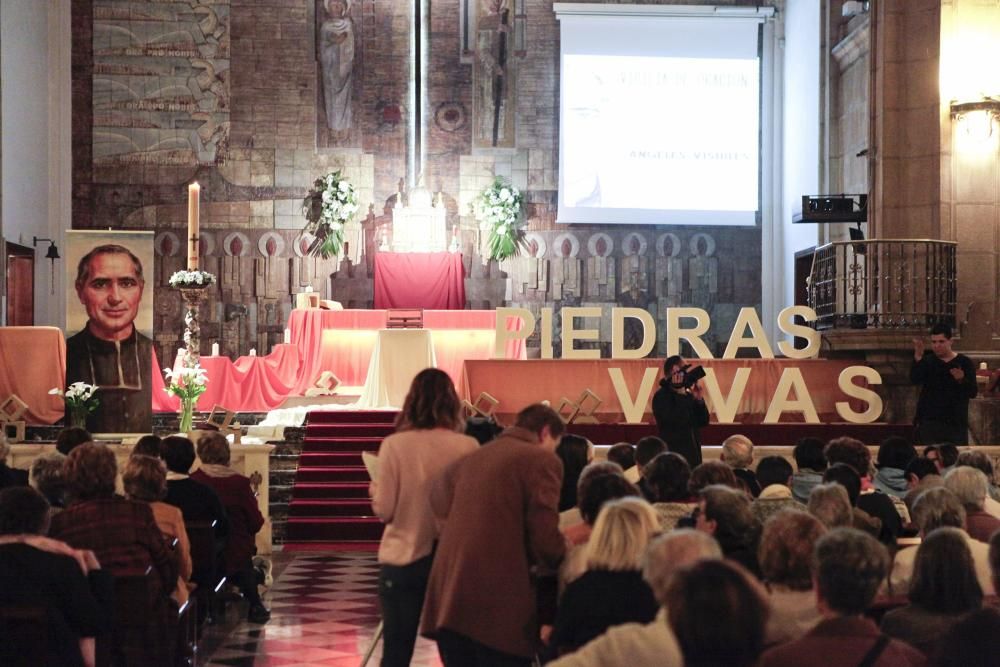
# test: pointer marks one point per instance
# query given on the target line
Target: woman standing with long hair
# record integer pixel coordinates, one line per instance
(428, 438)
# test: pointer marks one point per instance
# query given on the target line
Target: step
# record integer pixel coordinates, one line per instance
(329, 490)
(342, 444)
(348, 430)
(332, 474)
(332, 529)
(330, 458)
(352, 416)
(354, 507)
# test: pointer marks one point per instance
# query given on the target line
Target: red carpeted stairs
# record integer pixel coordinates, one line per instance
(330, 506)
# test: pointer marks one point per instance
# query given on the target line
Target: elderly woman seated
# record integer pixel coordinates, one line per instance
(245, 519)
(145, 480)
(121, 532)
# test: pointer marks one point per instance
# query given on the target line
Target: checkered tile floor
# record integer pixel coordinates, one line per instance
(324, 611)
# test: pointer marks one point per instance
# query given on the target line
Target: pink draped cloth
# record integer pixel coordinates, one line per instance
(428, 280)
(33, 361)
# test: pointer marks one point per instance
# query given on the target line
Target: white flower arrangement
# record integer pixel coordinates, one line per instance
(500, 211)
(79, 398)
(187, 384)
(330, 204)
(192, 279)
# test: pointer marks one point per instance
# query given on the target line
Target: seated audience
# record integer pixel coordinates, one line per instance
(147, 445)
(244, 517)
(785, 555)
(848, 567)
(942, 590)
(612, 590)
(668, 476)
(712, 472)
(774, 474)
(971, 487)
(652, 644)
(122, 533)
(981, 461)
(575, 452)
(877, 504)
(145, 480)
(830, 504)
(894, 454)
(70, 438)
(737, 453)
(623, 453)
(37, 571)
(46, 476)
(973, 641)
(944, 456)
(571, 521)
(718, 614)
(646, 449)
(939, 508)
(994, 556)
(724, 513)
(921, 475)
(9, 476)
(808, 454)
(198, 502)
(844, 475)
(595, 491)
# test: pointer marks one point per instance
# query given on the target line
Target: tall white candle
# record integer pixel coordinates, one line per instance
(194, 225)
(253, 352)
(215, 349)
(288, 335)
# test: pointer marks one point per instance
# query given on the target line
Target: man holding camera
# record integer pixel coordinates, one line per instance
(679, 408)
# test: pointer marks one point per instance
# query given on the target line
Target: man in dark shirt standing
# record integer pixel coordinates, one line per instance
(948, 381)
(680, 411)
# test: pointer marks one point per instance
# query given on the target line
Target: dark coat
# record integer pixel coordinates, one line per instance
(837, 642)
(500, 505)
(679, 418)
(244, 517)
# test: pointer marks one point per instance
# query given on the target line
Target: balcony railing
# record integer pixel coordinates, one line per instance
(884, 284)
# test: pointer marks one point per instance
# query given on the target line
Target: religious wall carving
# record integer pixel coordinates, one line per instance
(336, 56)
(494, 78)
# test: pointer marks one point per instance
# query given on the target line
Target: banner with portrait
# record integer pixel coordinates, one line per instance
(109, 326)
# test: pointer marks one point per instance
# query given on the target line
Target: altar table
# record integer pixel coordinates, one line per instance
(428, 280)
(517, 384)
(398, 356)
(33, 361)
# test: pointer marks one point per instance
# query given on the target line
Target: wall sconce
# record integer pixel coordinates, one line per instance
(977, 117)
(52, 254)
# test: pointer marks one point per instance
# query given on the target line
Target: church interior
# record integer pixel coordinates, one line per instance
(789, 194)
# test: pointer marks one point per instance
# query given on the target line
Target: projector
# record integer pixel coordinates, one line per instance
(833, 208)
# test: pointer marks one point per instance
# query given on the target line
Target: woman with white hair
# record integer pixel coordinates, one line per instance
(612, 590)
(971, 487)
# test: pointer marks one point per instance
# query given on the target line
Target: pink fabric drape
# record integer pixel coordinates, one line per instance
(33, 361)
(432, 280)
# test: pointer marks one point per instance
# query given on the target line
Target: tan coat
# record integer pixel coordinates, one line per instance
(500, 506)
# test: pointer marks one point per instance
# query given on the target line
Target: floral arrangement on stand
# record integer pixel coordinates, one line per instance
(191, 279)
(80, 402)
(187, 384)
(500, 211)
(331, 202)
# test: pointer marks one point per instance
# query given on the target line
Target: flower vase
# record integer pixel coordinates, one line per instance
(76, 416)
(187, 416)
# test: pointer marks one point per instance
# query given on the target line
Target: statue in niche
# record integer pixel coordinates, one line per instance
(703, 272)
(493, 78)
(336, 49)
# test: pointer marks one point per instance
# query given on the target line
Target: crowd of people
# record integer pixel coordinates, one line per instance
(527, 548)
(76, 526)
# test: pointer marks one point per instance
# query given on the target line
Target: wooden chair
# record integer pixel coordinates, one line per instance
(144, 621)
(205, 569)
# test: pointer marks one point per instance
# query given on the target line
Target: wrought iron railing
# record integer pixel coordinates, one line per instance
(884, 284)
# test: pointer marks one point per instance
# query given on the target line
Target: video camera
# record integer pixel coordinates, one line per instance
(691, 375)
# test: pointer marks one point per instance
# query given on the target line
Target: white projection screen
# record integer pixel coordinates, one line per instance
(659, 118)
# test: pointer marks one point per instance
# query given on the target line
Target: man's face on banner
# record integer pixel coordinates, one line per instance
(111, 295)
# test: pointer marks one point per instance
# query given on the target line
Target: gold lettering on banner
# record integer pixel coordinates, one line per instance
(757, 339)
(618, 316)
(791, 378)
(570, 334)
(503, 335)
(693, 336)
(726, 407)
(852, 390)
(633, 409)
(547, 333)
(786, 323)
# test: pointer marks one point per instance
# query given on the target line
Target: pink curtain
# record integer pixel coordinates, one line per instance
(33, 361)
(433, 280)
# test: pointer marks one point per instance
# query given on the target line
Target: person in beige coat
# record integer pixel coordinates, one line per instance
(500, 511)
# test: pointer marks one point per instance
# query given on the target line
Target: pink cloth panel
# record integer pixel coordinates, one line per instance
(433, 280)
(33, 361)
(307, 326)
(517, 384)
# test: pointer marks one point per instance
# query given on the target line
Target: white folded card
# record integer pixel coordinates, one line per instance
(371, 464)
